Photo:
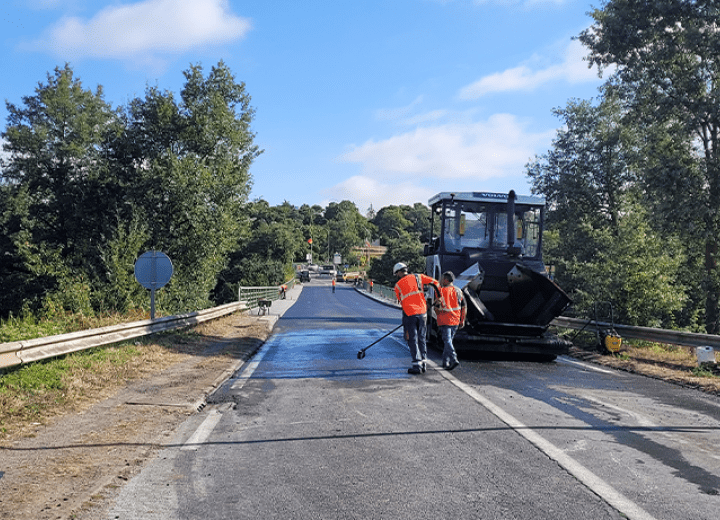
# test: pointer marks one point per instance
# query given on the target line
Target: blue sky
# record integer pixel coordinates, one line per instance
(377, 102)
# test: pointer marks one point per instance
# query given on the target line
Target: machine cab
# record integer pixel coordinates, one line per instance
(472, 225)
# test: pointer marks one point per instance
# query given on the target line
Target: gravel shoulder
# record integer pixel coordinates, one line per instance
(69, 466)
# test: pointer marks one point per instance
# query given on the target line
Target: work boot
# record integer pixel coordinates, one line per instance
(415, 370)
(452, 364)
(422, 367)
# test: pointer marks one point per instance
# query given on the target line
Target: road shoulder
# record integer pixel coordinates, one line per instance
(75, 462)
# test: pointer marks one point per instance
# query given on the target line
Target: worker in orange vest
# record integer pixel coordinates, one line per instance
(283, 291)
(450, 318)
(333, 285)
(411, 295)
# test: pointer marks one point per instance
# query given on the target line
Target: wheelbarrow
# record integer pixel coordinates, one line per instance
(264, 306)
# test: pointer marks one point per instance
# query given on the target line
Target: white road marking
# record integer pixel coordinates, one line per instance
(588, 478)
(213, 418)
(203, 431)
(250, 368)
(588, 366)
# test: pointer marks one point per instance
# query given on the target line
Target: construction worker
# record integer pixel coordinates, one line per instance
(410, 294)
(450, 318)
(283, 291)
(333, 285)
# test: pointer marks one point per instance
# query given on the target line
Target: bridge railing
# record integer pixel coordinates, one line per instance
(382, 291)
(251, 295)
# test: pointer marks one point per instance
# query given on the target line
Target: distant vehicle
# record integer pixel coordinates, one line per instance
(349, 277)
(328, 270)
(340, 276)
(304, 276)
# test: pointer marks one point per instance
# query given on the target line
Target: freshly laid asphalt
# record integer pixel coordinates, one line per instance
(308, 430)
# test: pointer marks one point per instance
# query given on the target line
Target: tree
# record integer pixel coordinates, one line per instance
(391, 222)
(266, 250)
(84, 189)
(190, 163)
(665, 52)
(346, 228)
(54, 212)
(600, 240)
(407, 251)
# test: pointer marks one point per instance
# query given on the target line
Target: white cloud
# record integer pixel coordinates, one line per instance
(413, 166)
(481, 150)
(152, 26)
(365, 191)
(573, 69)
(394, 114)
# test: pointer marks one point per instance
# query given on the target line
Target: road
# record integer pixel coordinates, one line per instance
(307, 430)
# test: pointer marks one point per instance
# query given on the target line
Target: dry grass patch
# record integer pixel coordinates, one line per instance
(671, 363)
(32, 394)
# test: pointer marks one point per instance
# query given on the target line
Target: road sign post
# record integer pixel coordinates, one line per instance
(153, 269)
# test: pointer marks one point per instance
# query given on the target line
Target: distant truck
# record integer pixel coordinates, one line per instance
(492, 243)
(351, 277)
(328, 270)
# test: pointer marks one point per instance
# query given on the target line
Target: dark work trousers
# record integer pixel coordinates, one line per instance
(447, 332)
(415, 333)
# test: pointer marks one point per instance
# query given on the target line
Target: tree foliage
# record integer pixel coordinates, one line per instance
(54, 182)
(347, 228)
(394, 222)
(407, 251)
(85, 189)
(665, 54)
(602, 241)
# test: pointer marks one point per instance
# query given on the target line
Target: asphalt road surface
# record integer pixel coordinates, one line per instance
(307, 430)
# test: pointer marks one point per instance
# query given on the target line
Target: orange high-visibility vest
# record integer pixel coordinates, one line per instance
(454, 303)
(410, 295)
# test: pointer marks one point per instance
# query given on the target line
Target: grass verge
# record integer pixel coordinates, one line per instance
(33, 393)
(29, 327)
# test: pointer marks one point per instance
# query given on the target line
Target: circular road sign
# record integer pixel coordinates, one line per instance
(153, 269)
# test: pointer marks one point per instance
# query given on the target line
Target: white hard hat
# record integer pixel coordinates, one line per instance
(399, 267)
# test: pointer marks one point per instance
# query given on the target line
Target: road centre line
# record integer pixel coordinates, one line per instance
(588, 478)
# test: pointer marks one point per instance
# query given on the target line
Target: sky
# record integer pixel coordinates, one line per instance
(381, 102)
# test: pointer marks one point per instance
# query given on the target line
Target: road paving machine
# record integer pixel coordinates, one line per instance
(492, 243)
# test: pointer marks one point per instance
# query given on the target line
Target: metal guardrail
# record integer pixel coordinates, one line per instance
(18, 352)
(665, 336)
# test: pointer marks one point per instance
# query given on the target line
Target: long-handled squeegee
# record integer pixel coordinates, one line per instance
(361, 352)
